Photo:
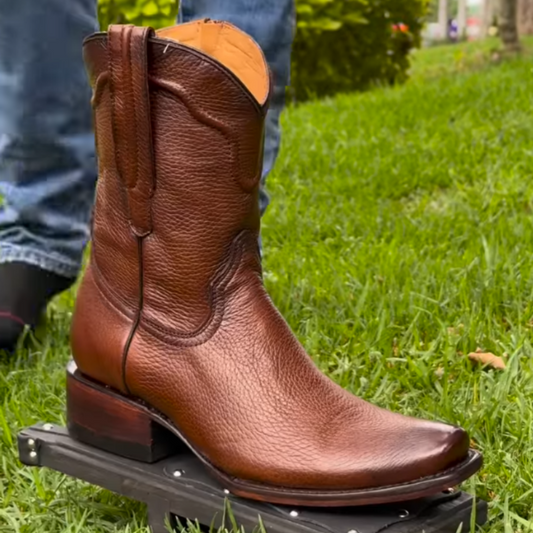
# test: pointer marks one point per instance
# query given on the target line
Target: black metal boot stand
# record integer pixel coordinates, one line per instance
(178, 488)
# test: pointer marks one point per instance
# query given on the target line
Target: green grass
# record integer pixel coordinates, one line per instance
(399, 239)
(450, 59)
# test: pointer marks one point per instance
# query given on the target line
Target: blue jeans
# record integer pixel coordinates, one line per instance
(47, 160)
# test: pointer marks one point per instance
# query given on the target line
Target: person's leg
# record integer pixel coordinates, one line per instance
(47, 162)
(272, 24)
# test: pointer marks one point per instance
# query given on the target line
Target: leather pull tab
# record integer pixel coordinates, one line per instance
(132, 126)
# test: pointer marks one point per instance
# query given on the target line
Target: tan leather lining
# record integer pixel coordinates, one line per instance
(229, 45)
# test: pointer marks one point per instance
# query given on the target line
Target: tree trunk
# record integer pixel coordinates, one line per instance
(525, 17)
(508, 25)
(443, 19)
(462, 16)
(489, 13)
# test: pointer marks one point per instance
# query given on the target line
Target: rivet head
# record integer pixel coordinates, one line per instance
(353, 531)
(33, 455)
(48, 427)
(451, 490)
(31, 443)
(294, 514)
(226, 491)
(178, 473)
(404, 513)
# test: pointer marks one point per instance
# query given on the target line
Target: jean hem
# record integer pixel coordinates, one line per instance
(10, 253)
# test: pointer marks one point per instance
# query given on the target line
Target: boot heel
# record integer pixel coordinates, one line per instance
(101, 418)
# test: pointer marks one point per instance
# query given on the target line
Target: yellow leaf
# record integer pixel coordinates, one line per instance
(487, 359)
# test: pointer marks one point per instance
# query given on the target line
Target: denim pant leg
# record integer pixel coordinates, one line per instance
(272, 24)
(47, 160)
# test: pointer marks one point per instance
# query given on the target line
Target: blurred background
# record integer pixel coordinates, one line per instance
(357, 44)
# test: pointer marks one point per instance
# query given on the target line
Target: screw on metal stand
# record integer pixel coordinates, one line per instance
(404, 513)
(353, 531)
(48, 427)
(226, 491)
(28, 450)
(294, 514)
(178, 473)
(451, 490)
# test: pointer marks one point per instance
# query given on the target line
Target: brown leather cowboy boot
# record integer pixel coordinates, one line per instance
(173, 332)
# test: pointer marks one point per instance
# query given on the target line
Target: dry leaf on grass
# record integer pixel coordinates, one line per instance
(487, 359)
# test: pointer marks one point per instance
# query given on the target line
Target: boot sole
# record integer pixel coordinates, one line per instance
(101, 417)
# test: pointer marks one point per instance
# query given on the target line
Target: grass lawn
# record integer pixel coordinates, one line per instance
(399, 239)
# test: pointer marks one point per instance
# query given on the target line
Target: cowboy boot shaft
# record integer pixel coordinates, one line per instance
(179, 169)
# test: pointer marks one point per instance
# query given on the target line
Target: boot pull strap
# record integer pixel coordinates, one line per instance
(132, 126)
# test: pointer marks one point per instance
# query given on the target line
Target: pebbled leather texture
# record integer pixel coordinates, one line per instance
(179, 308)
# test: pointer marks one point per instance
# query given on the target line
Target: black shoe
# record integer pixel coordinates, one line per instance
(25, 291)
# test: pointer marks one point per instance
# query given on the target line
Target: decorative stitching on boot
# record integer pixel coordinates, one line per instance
(177, 91)
(215, 298)
(221, 280)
